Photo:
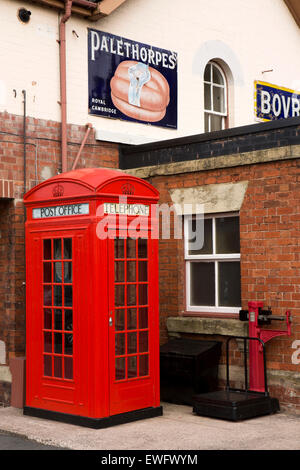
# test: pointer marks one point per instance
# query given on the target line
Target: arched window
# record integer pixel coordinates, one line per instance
(215, 98)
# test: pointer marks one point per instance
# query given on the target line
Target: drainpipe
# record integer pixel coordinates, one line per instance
(24, 146)
(63, 87)
(89, 127)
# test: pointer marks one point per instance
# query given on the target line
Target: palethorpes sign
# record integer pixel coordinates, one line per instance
(131, 81)
(273, 102)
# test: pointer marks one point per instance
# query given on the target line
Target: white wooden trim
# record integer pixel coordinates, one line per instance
(212, 258)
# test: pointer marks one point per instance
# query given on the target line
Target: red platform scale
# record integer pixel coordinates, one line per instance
(234, 404)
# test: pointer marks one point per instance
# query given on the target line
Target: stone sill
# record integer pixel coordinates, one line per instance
(206, 326)
(287, 152)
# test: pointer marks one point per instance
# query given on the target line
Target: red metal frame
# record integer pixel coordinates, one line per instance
(256, 360)
(90, 388)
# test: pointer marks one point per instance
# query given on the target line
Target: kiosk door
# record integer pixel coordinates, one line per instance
(54, 349)
(131, 339)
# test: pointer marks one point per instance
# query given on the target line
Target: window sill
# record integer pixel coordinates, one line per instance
(206, 326)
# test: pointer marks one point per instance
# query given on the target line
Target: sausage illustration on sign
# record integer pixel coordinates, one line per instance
(140, 91)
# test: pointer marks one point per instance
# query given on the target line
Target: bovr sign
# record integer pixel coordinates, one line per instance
(273, 102)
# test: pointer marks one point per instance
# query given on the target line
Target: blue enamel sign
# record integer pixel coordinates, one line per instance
(273, 102)
(131, 81)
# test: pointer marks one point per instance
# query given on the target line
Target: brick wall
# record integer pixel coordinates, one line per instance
(7, 274)
(270, 254)
(44, 150)
(43, 161)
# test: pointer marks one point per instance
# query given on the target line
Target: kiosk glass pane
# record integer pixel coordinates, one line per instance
(119, 271)
(120, 344)
(143, 294)
(119, 296)
(120, 368)
(58, 342)
(131, 271)
(48, 342)
(68, 362)
(68, 294)
(131, 319)
(47, 272)
(144, 367)
(47, 249)
(68, 320)
(120, 320)
(119, 248)
(143, 341)
(58, 272)
(57, 319)
(131, 248)
(142, 248)
(68, 272)
(47, 295)
(57, 366)
(57, 248)
(143, 317)
(47, 318)
(67, 248)
(143, 271)
(131, 343)
(47, 365)
(68, 344)
(132, 292)
(132, 366)
(57, 295)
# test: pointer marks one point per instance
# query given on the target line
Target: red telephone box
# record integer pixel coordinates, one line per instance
(92, 326)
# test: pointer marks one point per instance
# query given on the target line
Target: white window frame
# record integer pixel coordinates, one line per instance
(212, 84)
(207, 258)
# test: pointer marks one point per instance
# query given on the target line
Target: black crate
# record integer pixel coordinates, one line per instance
(188, 367)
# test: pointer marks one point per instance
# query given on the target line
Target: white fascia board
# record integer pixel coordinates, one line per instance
(118, 137)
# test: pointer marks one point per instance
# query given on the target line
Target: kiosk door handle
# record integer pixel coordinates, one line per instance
(110, 321)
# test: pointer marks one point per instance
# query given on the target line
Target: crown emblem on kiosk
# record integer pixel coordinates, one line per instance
(127, 188)
(58, 190)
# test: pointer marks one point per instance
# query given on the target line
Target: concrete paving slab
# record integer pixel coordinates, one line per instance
(177, 429)
(12, 442)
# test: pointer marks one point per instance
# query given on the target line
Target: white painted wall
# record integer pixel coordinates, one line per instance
(249, 36)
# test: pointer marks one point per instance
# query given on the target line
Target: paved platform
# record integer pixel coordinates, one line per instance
(177, 429)
(12, 442)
